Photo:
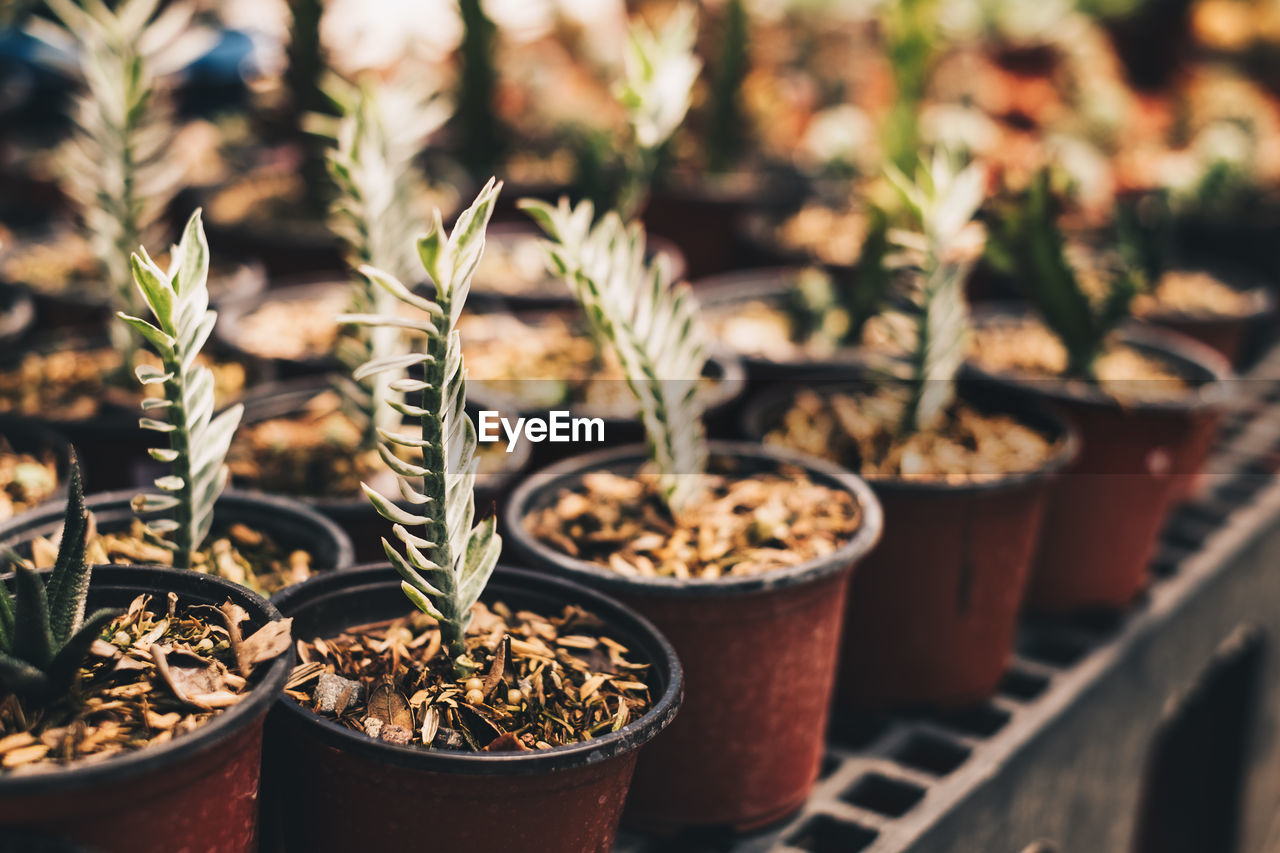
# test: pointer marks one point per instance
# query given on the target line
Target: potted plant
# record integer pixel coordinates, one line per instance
(317, 440)
(930, 620)
(133, 702)
(532, 694)
(1145, 405)
(729, 548)
(121, 179)
(261, 543)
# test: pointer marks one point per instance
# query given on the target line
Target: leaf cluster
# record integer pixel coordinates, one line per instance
(446, 568)
(633, 307)
(44, 633)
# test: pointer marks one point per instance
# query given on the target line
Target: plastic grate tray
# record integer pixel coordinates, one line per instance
(880, 771)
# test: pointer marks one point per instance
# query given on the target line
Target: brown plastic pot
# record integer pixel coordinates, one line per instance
(759, 655)
(199, 791)
(338, 789)
(932, 611)
(354, 514)
(1105, 512)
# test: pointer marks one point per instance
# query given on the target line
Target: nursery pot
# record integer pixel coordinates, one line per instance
(722, 295)
(354, 514)
(1229, 336)
(932, 611)
(341, 790)
(553, 294)
(759, 655)
(199, 791)
(720, 399)
(231, 334)
(1136, 459)
(290, 524)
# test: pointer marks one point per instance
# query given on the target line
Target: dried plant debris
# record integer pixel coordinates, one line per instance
(826, 234)
(72, 384)
(295, 328)
(859, 432)
(741, 525)
(26, 479)
(316, 454)
(515, 265)
(62, 264)
(158, 672)
(540, 681)
(1196, 293)
(240, 554)
(1028, 348)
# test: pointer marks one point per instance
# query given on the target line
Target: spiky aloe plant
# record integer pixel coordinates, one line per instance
(945, 243)
(116, 165)
(198, 441)
(382, 129)
(659, 72)
(445, 569)
(634, 308)
(477, 90)
(44, 634)
(1026, 241)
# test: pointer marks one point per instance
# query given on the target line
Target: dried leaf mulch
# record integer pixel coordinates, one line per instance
(239, 554)
(858, 432)
(541, 681)
(158, 672)
(26, 479)
(742, 525)
(1195, 293)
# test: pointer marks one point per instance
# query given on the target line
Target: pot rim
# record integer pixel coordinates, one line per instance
(1262, 300)
(119, 769)
(1209, 370)
(1028, 413)
(830, 475)
(282, 390)
(51, 513)
(629, 738)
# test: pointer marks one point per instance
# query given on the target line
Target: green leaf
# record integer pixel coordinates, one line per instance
(158, 339)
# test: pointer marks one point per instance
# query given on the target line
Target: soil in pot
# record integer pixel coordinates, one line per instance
(288, 331)
(259, 543)
(159, 748)
(1197, 303)
(296, 440)
(545, 731)
(62, 272)
(931, 613)
(28, 477)
(749, 587)
(1145, 428)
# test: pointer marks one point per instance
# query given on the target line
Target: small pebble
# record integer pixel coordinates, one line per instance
(334, 694)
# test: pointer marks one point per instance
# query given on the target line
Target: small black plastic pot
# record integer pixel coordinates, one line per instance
(354, 514)
(231, 335)
(550, 293)
(759, 653)
(290, 524)
(198, 791)
(337, 789)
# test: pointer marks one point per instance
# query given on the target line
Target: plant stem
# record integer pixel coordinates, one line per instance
(180, 443)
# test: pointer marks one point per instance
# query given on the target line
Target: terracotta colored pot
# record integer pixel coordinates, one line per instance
(341, 790)
(759, 653)
(932, 611)
(553, 294)
(197, 792)
(1106, 511)
(290, 524)
(354, 514)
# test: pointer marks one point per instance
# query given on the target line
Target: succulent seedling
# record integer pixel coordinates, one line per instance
(911, 34)
(651, 324)
(44, 633)
(941, 249)
(477, 88)
(444, 570)
(198, 441)
(726, 130)
(381, 130)
(117, 165)
(1027, 241)
(657, 84)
